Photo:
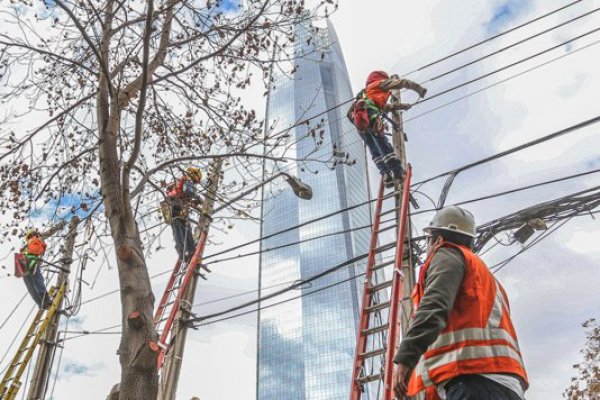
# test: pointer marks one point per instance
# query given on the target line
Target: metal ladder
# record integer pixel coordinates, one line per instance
(380, 307)
(11, 382)
(171, 300)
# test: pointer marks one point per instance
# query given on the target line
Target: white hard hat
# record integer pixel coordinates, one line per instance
(453, 219)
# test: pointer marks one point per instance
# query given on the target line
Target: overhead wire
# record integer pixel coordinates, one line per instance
(472, 46)
(304, 121)
(543, 139)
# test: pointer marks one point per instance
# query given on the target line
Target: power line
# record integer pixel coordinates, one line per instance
(444, 105)
(543, 139)
(528, 38)
(508, 66)
(492, 38)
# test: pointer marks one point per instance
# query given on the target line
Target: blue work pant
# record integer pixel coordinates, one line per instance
(477, 387)
(382, 152)
(36, 286)
(184, 239)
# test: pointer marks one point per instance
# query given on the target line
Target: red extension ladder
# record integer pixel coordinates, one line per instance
(378, 332)
(172, 297)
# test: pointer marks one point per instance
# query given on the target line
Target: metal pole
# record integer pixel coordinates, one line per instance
(172, 368)
(45, 357)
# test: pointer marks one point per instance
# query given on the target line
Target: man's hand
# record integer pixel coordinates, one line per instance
(401, 381)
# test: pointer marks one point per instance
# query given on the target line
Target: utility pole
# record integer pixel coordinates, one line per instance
(408, 270)
(45, 357)
(174, 357)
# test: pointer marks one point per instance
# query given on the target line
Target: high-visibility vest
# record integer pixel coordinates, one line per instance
(479, 337)
(378, 96)
(177, 188)
(36, 246)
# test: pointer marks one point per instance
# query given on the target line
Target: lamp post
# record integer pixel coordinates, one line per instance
(301, 189)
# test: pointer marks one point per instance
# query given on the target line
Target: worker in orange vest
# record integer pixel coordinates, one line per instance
(461, 343)
(366, 114)
(180, 195)
(32, 252)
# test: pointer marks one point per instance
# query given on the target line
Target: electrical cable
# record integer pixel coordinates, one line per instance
(13, 311)
(528, 38)
(444, 105)
(543, 139)
(492, 38)
(443, 92)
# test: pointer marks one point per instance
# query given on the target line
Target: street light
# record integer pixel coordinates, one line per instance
(301, 189)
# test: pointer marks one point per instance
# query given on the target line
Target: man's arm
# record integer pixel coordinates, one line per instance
(444, 277)
(397, 83)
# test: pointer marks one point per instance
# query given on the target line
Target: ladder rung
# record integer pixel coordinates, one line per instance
(378, 307)
(385, 264)
(173, 288)
(369, 378)
(375, 329)
(380, 286)
(387, 228)
(373, 353)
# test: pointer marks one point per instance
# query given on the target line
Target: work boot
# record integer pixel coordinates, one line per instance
(399, 176)
(388, 180)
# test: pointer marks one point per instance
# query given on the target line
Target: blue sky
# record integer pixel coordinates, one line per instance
(504, 14)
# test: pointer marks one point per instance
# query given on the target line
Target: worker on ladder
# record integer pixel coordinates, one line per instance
(461, 343)
(366, 114)
(30, 263)
(181, 195)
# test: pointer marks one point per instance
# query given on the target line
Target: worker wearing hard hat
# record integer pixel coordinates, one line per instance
(461, 343)
(366, 114)
(180, 195)
(31, 253)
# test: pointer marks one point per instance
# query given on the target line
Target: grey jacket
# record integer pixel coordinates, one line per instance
(442, 282)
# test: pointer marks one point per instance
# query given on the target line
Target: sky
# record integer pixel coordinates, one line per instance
(552, 287)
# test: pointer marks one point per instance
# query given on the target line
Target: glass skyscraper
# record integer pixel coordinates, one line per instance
(306, 343)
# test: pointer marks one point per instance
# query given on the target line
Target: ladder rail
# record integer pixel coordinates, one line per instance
(396, 295)
(175, 308)
(29, 343)
(165, 297)
(355, 393)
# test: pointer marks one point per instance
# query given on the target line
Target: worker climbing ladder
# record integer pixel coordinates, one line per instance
(11, 381)
(172, 298)
(378, 332)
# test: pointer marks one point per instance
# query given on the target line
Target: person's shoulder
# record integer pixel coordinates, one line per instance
(448, 256)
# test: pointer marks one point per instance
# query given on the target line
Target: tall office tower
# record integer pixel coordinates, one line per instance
(306, 343)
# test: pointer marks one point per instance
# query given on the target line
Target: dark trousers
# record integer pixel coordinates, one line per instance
(37, 288)
(382, 152)
(477, 387)
(184, 239)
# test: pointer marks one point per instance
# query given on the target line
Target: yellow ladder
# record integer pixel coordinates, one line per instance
(11, 382)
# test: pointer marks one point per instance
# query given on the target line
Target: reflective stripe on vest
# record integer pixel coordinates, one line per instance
(470, 343)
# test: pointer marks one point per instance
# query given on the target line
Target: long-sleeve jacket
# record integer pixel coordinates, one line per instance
(442, 283)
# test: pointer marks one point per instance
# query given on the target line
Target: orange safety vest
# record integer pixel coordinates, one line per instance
(177, 189)
(36, 246)
(479, 337)
(378, 96)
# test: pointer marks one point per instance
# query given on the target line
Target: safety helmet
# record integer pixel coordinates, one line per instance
(377, 76)
(453, 219)
(31, 232)
(195, 174)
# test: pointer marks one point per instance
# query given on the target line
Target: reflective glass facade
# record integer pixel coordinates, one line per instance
(306, 345)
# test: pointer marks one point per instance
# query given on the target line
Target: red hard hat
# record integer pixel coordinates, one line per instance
(377, 76)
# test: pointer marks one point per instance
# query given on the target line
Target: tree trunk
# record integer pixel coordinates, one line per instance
(138, 350)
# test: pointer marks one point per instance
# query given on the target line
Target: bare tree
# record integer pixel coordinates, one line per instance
(104, 100)
(586, 384)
